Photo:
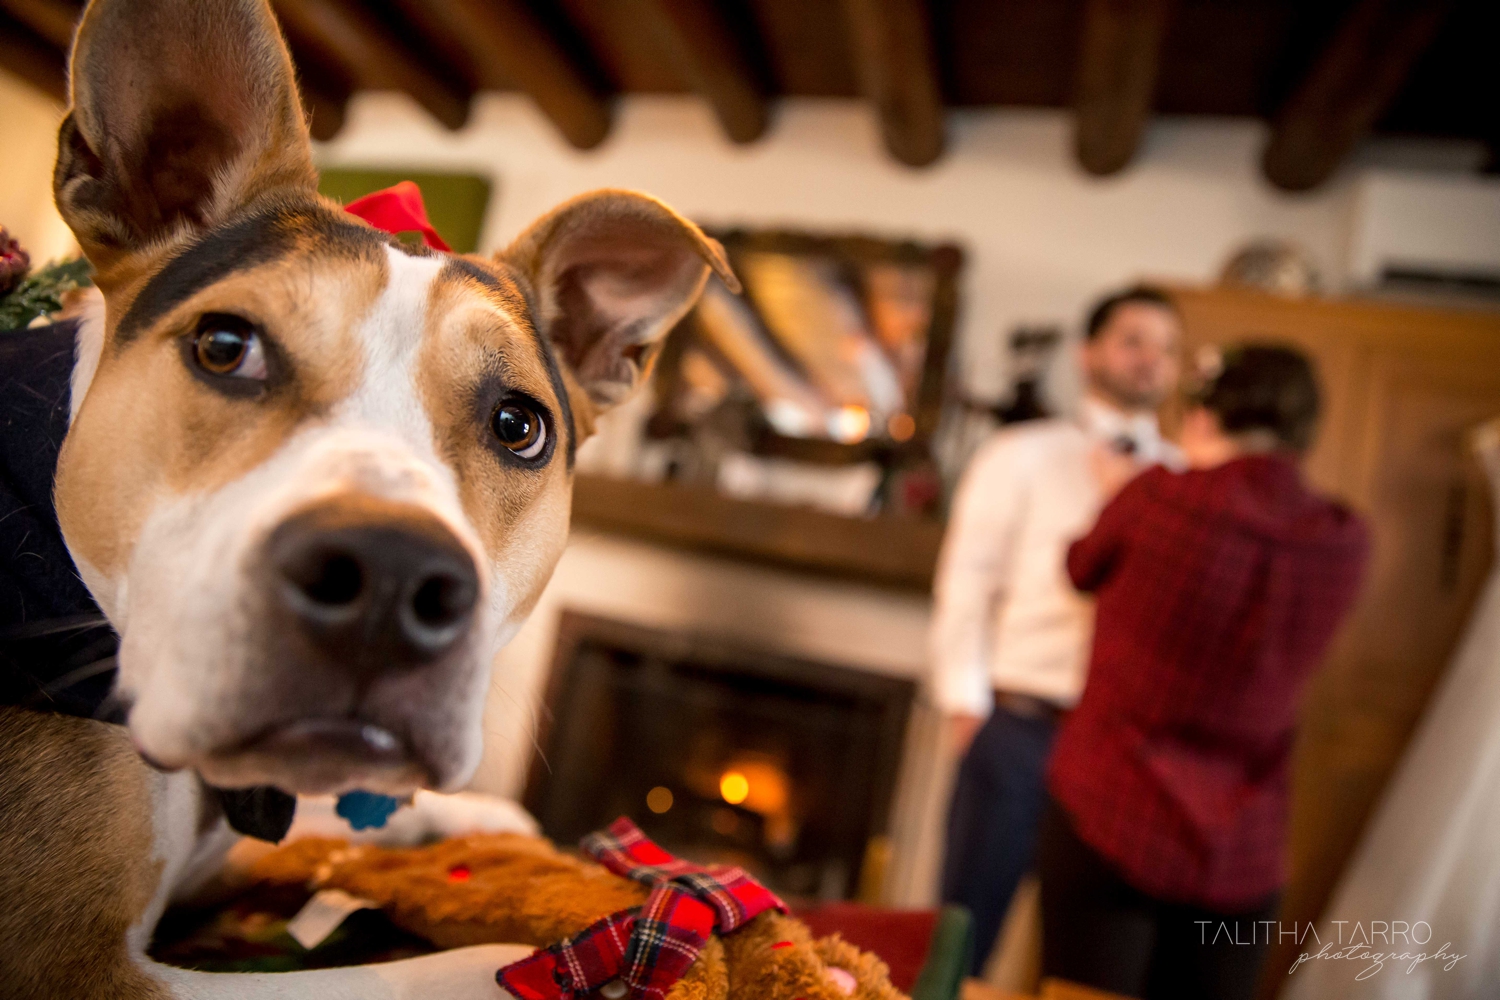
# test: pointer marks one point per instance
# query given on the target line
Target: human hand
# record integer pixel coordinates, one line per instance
(961, 732)
(1112, 469)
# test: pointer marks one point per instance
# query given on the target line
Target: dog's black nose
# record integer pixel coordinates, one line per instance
(375, 586)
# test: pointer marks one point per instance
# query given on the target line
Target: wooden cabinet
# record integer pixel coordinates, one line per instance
(1404, 386)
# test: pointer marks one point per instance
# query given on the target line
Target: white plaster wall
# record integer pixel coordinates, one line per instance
(1043, 237)
(1426, 220)
(28, 148)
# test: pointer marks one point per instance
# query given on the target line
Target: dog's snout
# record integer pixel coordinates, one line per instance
(375, 587)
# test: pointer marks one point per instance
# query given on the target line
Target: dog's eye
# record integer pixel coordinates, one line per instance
(519, 428)
(229, 346)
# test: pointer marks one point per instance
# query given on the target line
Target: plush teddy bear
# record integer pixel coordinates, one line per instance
(512, 889)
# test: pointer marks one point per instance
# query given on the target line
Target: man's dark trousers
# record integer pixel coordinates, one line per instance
(998, 801)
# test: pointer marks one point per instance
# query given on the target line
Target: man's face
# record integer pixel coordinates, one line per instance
(1132, 361)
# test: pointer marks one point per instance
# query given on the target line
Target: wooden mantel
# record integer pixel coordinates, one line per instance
(889, 551)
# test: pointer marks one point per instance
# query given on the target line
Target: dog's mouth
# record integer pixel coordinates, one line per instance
(320, 755)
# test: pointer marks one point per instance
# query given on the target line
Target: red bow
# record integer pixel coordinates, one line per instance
(398, 209)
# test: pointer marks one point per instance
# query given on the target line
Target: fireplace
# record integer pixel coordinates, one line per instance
(721, 753)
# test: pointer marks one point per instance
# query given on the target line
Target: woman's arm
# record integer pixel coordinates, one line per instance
(1092, 559)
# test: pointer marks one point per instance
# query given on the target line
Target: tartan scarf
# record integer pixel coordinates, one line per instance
(649, 948)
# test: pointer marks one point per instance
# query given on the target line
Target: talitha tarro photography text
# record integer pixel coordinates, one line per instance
(1368, 946)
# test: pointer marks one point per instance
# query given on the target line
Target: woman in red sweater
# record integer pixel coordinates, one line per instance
(1218, 591)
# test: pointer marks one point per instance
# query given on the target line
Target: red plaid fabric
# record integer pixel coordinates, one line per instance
(650, 948)
(734, 895)
(572, 968)
(1218, 592)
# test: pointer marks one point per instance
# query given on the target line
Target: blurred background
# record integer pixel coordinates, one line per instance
(921, 197)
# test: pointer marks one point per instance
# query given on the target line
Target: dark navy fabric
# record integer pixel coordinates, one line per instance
(998, 798)
(1098, 930)
(56, 651)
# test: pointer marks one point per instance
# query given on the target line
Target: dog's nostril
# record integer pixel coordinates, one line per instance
(371, 588)
(335, 579)
(442, 599)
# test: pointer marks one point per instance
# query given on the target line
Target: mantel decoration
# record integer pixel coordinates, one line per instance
(25, 297)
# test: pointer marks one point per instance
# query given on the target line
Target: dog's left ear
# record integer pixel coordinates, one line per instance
(614, 272)
(183, 111)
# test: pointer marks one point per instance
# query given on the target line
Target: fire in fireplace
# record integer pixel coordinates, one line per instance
(721, 753)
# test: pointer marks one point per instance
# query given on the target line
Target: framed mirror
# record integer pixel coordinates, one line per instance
(822, 383)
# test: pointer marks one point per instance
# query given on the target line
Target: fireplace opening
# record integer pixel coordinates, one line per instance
(721, 753)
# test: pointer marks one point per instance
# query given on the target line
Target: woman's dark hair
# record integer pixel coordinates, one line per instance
(1266, 387)
(1104, 309)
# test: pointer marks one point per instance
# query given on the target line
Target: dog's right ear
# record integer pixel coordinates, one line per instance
(615, 271)
(182, 112)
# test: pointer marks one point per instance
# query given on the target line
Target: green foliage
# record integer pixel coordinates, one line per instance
(41, 294)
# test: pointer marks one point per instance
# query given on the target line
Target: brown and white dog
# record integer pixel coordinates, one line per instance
(314, 477)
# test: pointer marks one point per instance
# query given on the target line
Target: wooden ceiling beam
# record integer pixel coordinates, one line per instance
(342, 32)
(506, 43)
(705, 51)
(33, 59)
(1117, 70)
(325, 87)
(325, 95)
(1349, 87)
(892, 44)
(52, 20)
(326, 108)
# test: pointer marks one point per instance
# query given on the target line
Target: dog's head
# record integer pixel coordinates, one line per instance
(316, 477)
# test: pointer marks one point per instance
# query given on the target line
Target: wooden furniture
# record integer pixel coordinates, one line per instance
(1057, 989)
(978, 989)
(1052, 989)
(1403, 387)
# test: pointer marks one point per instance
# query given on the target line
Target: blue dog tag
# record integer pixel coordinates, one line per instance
(363, 810)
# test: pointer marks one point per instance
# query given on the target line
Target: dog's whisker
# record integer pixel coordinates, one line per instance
(53, 626)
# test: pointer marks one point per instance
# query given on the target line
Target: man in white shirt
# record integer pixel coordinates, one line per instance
(1011, 637)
